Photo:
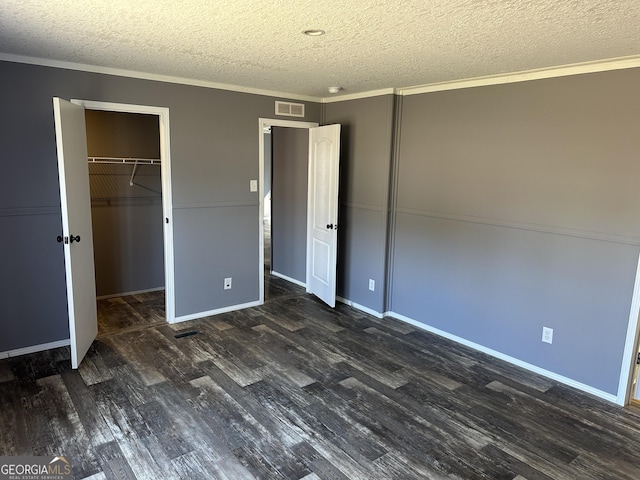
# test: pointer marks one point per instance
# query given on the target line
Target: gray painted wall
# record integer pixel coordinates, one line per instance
(367, 128)
(214, 152)
(290, 160)
(127, 219)
(120, 134)
(128, 246)
(517, 208)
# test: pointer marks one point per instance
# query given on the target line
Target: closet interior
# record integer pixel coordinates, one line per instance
(126, 207)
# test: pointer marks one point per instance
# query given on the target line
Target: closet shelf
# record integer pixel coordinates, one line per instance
(125, 160)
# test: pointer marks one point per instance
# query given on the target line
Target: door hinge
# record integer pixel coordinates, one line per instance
(638, 359)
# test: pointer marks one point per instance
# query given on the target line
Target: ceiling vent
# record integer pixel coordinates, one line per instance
(290, 109)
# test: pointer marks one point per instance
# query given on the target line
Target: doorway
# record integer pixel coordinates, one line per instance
(267, 204)
(71, 146)
(629, 383)
(162, 116)
(126, 208)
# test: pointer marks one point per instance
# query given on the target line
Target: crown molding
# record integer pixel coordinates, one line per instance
(355, 96)
(526, 75)
(620, 63)
(44, 62)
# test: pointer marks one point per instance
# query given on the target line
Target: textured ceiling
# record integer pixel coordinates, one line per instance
(369, 45)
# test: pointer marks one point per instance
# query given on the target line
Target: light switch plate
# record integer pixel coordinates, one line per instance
(253, 185)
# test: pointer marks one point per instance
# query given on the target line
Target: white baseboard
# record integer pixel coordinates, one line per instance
(218, 311)
(507, 358)
(34, 348)
(124, 294)
(362, 308)
(527, 366)
(289, 279)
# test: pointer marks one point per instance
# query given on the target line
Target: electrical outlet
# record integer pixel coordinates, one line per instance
(372, 284)
(227, 283)
(547, 335)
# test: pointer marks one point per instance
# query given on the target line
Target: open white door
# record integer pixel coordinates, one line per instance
(322, 215)
(635, 388)
(73, 172)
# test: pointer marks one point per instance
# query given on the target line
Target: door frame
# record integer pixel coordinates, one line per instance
(167, 197)
(262, 124)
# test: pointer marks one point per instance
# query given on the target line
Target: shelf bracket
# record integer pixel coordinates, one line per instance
(133, 173)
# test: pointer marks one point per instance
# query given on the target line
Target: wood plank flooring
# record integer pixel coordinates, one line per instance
(295, 390)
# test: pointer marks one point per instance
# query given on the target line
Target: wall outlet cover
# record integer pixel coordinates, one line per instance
(372, 284)
(227, 283)
(547, 335)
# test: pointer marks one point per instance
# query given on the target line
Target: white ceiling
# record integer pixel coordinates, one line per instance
(369, 45)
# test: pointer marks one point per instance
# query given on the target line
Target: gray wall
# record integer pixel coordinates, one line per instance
(517, 208)
(367, 128)
(214, 152)
(290, 160)
(127, 222)
(127, 219)
(119, 134)
(128, 246)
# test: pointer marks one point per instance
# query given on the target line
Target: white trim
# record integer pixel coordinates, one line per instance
(126, 294)
(356, 96)
(35, 348)
(167, 196)
(526, 75)
(619, 63)
(541, 371)
(262, 124)
(628, 357)
(83, 67)
(289, 279)
(362, 308)
(217, 311)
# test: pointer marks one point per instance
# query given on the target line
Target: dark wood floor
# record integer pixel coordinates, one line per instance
(293, 389)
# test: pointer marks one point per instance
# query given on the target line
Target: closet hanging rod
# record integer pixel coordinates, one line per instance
(125, 160)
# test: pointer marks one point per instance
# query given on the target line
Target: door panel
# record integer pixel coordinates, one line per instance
(635, 389)
(322, 233)
(73, 172)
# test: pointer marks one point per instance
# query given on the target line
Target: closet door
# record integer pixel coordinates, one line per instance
(77, 236)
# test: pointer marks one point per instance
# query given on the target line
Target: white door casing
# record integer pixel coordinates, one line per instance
(73, 172)
(322, 215)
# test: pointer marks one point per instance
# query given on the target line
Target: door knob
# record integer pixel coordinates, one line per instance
(75, 239)
(330, 226)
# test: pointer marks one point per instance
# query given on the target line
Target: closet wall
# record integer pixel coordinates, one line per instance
(127, 219)
(290, 164)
